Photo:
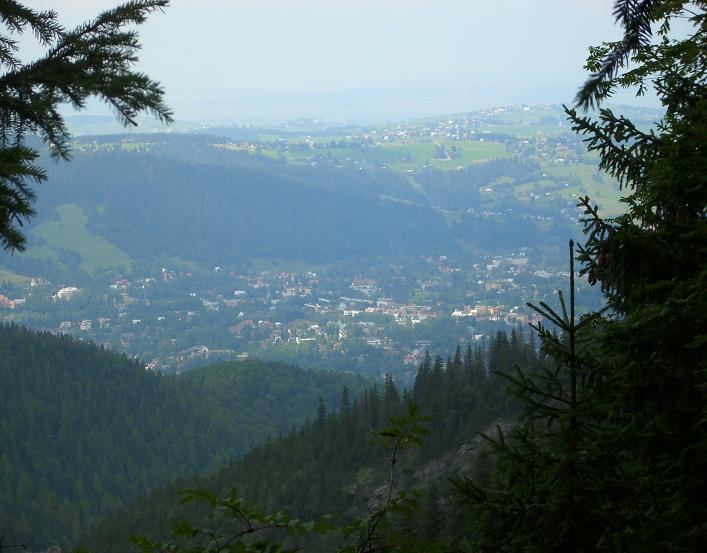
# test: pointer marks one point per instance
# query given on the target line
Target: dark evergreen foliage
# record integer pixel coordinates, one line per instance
(183, 197)
(153, 205)
(94, 59)
(85, 429)
(611, 454)
(335, 463)
(454, 188)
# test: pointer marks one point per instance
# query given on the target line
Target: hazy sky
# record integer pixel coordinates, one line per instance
(215, 55)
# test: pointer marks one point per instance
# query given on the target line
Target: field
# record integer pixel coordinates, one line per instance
(70, 233)
(411, 156)
(396, 157)
(602, 189)
(12, 278)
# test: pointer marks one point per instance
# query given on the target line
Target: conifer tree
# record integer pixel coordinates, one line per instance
(611, 453)
(94, 59)
(543, 498)
(345, 402)
(321, 412)
(422, 378)
(651, 263)
(468, 360)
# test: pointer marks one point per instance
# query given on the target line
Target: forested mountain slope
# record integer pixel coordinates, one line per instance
(85, 429)
(185, 197)
(334, 463)
(227, 211)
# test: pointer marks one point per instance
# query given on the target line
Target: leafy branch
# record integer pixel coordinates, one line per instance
(246, 525)
(404, 432)
(7, 547)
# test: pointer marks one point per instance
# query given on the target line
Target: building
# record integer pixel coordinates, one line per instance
(67, 293)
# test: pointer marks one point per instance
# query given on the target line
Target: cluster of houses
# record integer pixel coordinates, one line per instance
(287, 309)
(484, 125)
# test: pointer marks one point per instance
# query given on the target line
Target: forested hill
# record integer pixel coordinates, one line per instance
(223, 208)
(84, 429)
(334, 464)
(186, 197)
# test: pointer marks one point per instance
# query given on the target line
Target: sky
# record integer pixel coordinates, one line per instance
(348, 60)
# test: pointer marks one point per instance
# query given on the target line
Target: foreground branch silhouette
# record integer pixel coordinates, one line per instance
(96, 59)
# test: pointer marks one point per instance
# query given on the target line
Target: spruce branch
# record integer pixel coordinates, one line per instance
(94, 59)
(636, 17)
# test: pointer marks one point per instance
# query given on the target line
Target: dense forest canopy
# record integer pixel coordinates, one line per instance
(610, 454)
(609, 451)
(335, 462)
(90, 429)
(184, 198)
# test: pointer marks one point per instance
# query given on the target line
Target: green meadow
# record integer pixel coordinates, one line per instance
(70, 233)
(603, 190)
(396, 157)
(12, 278)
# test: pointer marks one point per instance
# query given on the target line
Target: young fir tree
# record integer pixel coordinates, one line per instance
(611, 453)
(652, 266)
(94, 59)
(542, 498)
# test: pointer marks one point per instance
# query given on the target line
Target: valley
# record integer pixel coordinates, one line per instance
(438, 231)
(353, 277)
(91, 430)
(377, 322)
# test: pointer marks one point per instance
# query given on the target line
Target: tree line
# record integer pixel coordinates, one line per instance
(334, 462)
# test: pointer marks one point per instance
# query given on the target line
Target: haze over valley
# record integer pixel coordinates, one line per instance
(362, 276)
(355, 247)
